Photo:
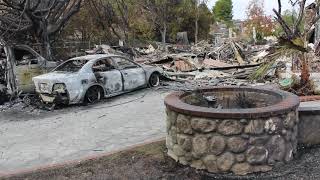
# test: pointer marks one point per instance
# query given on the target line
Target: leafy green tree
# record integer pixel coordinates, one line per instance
(257, 19)
(222, 11)
(155, 20)
(185, 13)
(205, 21)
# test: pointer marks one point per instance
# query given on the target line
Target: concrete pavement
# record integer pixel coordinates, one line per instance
(78, 132)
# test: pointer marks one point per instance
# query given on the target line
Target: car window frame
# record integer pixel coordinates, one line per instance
(55, 69)
(119, 68)
(104, 58)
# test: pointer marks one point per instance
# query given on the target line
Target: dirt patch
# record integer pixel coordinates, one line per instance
(146, 162)
(150, 162)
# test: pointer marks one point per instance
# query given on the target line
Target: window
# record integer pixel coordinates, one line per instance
(72, 66)
(24, 57)
(103, 65)
(124, 63)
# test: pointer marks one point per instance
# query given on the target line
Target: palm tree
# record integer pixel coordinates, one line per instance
(293, 42)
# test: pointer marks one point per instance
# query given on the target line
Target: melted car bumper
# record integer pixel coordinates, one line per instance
(56, 98)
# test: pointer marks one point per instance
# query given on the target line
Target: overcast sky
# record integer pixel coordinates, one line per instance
(240, 6)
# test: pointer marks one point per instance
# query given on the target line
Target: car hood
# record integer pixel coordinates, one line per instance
(55, 77)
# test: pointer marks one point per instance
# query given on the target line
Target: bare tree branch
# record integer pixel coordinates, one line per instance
(300, 16)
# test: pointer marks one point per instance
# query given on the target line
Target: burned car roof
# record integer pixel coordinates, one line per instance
(95, 56)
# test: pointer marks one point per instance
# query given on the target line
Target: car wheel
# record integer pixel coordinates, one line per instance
(154, 80)
(93, 95)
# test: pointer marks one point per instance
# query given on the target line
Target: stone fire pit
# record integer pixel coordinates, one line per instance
(238, 130)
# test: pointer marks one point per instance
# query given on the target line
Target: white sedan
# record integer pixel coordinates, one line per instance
(90, 78)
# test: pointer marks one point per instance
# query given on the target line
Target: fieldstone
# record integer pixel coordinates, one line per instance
(240, 158)
(225, 161)
(257, 155)
(244, 121)
(168, 123)
(203, 125)
(237, 144)
(183, 161)
(198, 164)
(290, 120)
(261, 140)
(273, 125)
(245, 136)
(289, 155)
(277, 149)
(169, 142)
(185, 142)
(294, 146)
(183, 124)
(230, 127)
(288, 136)
(283, 132)
(217, 145)
(172, 155)
(242, 169)
(188, 156)
(199, 145)
(297, 116)
(295, 133)
(171, 116)
(173, 134)
(178, 150)
(255, 127)
(210, 162)
(261, 168)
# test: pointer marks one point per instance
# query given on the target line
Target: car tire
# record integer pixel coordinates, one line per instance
(93, 95)
(154, 80)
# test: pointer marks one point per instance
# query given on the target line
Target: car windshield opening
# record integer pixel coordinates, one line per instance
(72, 66)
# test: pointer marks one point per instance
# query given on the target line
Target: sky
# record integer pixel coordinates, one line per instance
(240, 6)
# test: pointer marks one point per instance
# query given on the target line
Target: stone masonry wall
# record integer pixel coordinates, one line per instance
(231, 145)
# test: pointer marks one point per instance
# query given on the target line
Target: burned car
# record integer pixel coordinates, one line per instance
(27, 64)
(90, 78)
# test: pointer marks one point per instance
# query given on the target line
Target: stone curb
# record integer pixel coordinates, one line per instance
(74, 162)
(309, 98)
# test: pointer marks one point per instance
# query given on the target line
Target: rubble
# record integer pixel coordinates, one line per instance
(201, 64)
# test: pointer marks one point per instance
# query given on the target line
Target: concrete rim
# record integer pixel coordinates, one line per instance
(288, 103)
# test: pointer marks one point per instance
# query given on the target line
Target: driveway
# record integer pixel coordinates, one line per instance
(78, 132)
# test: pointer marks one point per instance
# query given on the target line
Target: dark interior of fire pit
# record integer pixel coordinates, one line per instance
(231, 99)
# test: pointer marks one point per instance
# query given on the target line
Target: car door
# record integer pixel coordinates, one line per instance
(27, 67)
(133, 75)
(108, 76)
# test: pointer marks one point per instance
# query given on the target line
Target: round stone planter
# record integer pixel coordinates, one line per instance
(231, 139)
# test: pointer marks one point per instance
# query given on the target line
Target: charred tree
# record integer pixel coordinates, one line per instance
(159, 14)
(40, 19)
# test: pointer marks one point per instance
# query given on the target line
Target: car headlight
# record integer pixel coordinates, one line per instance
(59, 87)
(43, 87)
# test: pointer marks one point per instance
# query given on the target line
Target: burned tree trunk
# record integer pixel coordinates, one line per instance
(10, 72)
(42, 37)
(43, 18)
(10, 76)
(164, 34)
(305, 71)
